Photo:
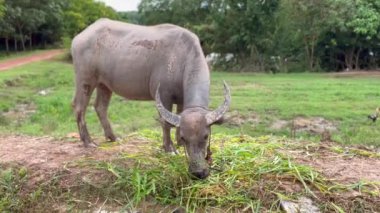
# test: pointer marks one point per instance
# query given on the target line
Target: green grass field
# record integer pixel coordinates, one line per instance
(344, 101)
(252, 170)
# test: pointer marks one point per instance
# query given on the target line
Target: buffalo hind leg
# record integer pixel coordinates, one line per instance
(82, 97)
(103, 97)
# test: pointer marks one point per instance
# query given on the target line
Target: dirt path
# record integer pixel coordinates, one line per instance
(11, 63)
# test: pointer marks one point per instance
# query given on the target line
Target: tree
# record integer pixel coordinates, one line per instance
(130, 16)
(6, 28)
(25, 17)
(2, 8)
(244, 28)
(240, 27)
(52, 29)
(308, 21)
(79, 14)
(354, 29)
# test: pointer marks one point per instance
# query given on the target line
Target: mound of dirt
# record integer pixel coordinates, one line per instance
(234, 118)
(314, 125)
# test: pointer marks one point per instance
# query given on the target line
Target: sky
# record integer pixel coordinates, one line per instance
(122, 5)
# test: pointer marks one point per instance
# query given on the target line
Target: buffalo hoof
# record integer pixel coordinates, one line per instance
(170, 150)
(90, 145)
(111, 138)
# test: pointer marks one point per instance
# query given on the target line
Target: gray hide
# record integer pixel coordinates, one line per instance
(163, 62)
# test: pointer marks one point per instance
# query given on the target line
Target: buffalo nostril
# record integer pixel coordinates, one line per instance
(201, 174)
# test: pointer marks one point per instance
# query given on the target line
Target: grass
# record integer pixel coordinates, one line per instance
(344, 101)
(249, 171)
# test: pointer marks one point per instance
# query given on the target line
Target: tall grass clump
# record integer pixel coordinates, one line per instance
(247, 173)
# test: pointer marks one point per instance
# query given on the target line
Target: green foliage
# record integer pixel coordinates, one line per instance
(130, 17)
(279, 35)
(47, 21)
(271, 35)
(223, 26)
(80, 14)
(353, 33)
(2, 8)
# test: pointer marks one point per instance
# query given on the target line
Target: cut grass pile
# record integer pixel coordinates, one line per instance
(248, 173)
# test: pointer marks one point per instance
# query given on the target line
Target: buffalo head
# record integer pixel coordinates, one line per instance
(194, 124)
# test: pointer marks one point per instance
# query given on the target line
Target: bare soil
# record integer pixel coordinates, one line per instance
(313, 125)
(49, 154)
(346, 168)
(371, 73)
(11, 63)
(46, 153)
(234, 118)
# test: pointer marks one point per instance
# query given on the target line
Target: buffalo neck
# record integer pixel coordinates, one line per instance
(196, 85)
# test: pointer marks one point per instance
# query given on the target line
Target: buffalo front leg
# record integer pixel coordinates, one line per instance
(82, 96)
(103, 97)
(177, 130)
(167, 141)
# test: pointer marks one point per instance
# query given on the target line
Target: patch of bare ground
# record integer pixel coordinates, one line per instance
(67, 161)
(366, 73)
(235, 118)
(47, 153)
(344, 167)
(313, 125)
(45, 156)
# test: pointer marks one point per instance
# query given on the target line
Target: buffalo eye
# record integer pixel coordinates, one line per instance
(182, 138)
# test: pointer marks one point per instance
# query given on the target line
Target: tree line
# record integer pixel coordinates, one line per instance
(26, 24)
(279, 35)
(261, 35)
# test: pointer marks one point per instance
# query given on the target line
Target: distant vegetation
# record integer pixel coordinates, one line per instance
(280, 35)
(27, 24)
(270, 35)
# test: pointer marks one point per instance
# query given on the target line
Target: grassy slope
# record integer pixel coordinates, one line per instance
(346, 101)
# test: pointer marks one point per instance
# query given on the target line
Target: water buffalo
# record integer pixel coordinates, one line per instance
(164, 63)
